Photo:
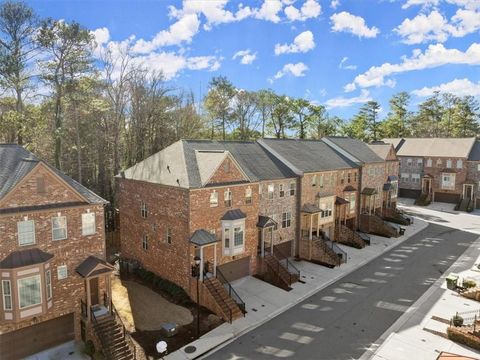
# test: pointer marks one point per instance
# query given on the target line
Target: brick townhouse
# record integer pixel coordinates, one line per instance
(52, 255)
(472, 185)
(392, 167)
(328, 193)
(433, 169)
(227, 204)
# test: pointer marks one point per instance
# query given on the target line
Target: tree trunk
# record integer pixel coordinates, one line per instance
(78, 141)
(58, 127)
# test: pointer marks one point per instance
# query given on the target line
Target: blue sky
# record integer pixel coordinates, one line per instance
(339, 53)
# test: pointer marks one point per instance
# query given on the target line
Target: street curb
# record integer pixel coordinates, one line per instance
(397, 325)
(309, 294)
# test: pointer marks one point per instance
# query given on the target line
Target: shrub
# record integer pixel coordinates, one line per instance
(89, 348)
(457, 320)
(463, 338)
(469, 284)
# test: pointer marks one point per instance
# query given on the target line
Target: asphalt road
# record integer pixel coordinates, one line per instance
(344, 319)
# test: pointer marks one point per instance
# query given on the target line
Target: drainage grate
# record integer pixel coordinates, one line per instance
(190, 349)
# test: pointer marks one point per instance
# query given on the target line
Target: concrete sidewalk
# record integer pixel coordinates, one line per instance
(265, 301)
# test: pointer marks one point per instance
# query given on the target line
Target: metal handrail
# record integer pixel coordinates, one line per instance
(219, 296)
(231, 291)
(289, 266)
(337, 249)
(100, 334)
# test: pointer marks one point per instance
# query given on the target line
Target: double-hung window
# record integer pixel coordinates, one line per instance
(459, 164)
(352, 203)
(271, 190)
(429, 162)
(59, 228)
(29, 291)
(145, 242)
(233, 237)
(281, 190)
(213, 199)
(286, 219)
(7, 294)
(314, 180)
(144, 210)
(449, 164)
(248, 195)
(448, 181)
(292, 188)
(227, 198)
(88, 224)
(26, 232)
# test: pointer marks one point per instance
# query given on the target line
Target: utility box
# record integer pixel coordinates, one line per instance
(452, 280)
(169, 329)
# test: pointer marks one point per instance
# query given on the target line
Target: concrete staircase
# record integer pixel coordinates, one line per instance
(345, 235)
(114, 339)
(464, 205)
(423, 200)
(277, 270)
(230, 311)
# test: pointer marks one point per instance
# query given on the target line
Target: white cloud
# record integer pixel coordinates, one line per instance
(310, 9)
(434, 56)
(435, 27)
(269, 11)
(246, 56)
(467, 4)
(181, 31)
(346, 22)
(303, 43)
(101, 36)
(346, 102)
(343, 64)
(459, 87)
(334, 4)
(296, 70)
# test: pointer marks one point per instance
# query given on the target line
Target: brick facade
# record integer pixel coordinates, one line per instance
(372, 176)
(473, 176)
(52, 198)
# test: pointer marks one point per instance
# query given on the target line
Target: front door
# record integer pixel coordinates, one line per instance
(94, 291)
(467, 191)
(267, 241)
(426, 186)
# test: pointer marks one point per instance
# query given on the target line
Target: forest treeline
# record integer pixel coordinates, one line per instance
(92, 112)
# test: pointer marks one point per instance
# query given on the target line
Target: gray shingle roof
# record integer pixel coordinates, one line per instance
(308, 155)
(202, 237)
(311, 209)
(435, 147)
(475, 152)
(265, 221)
(18, 259)
(356, 148)
(16, 162)
(234, 215)
(87, 267)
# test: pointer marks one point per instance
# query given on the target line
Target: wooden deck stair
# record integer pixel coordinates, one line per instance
(227, 305)
(112, 336)
(345, 235)
(280, 271)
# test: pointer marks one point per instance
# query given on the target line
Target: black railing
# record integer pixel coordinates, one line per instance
(231, 291)
(292, 270)
(342, 254)
(103, 340)
(219, 296)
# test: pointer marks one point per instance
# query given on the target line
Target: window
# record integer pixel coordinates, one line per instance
(371, 171)
(143, 210)
(292, 188)
(352, 203)
(145, 242)
(226, 236)
(41, 185)
(459, 164)
(48, 284)
(478, 167)
(286, 219)
(449, 164)
(327, 209)
(168, 235)
(59, 228)
(7, 295)
(282, 191)
(271, 189)
(405, 177)
(236, 245)
(227, 198)
(448, 181)
(213, 199)
(62, 272)
(416, 178)
(26, 232)
(439, 162)
(314, 180)
(429, 163)
(237, 237)
(321, 181)
(248, 196)
(409, 162)
(349, 178)
(355, 177)
(29, 291)
(88, 224)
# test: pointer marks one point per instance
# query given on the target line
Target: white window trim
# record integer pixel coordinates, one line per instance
(233, 250)
(294, 188)
(4, 295)
(84, 216)
(48, 284)
(18, 233)
(460, 162)
(145, 242)
(451, 184)
(288, 219)
(66, 228)
(59, 268)
(214, 199)
(18, 291)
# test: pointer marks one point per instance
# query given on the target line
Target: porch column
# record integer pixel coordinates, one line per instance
(311, 227)
(262, 243)
(201, 263)
(215, 260)
(318, 224)
(88, 299)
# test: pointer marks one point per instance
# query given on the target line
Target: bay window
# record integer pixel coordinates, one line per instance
(233, 237)
(88, 224)
(26, 232)
(59, 228)
(29, 291)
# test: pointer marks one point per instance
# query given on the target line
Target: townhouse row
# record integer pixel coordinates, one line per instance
(233, 209)
(440, 169)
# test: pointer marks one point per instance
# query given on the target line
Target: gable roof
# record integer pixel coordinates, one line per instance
(381, 149)
(203, 237)
(475, 152)
(434, 147)
(308, 155)
(16, 162)
(356, 148)
(191, 163)
(93, 266)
